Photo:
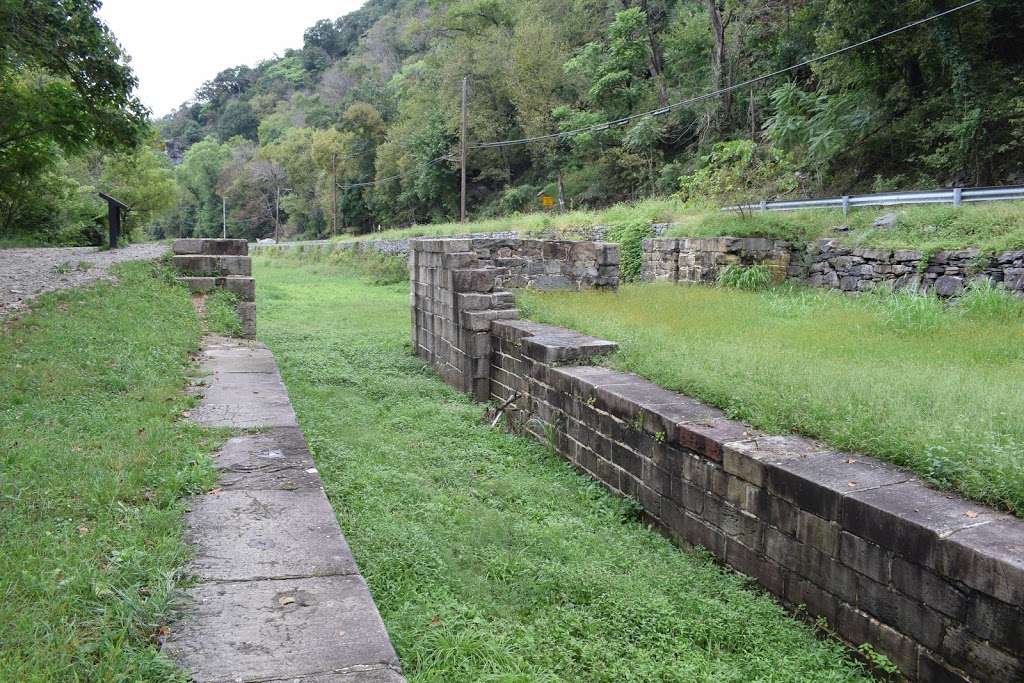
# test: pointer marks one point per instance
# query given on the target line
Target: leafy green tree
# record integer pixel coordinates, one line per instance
(238, 119)
(199, 176)
(65, 88)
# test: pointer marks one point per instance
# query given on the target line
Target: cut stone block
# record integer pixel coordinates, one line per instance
(243, 287)
(213, 266)
(275, 459)
(245, 535)
(210, 247)
(247, 316)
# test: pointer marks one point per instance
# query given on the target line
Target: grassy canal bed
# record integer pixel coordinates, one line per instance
(94, 462)
(489, 558)
(930, 386)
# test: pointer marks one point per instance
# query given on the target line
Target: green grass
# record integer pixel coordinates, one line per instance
(222, 314)
(489, 558)
(991, 227)
(899, 376)
(93, 464)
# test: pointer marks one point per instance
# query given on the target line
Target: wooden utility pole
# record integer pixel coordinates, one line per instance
(277, 213)
(224, 217)
(334, 193)
(462, 205)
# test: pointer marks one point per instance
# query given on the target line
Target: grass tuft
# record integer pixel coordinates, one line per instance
(750, 278)
(222, 313)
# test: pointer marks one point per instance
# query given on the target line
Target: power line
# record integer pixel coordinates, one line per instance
(706, 96)
(397, 175)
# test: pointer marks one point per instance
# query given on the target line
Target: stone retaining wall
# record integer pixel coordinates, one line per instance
(933, 581)
(456, 293)
(832, 264)
(702, 259)
(209, 264)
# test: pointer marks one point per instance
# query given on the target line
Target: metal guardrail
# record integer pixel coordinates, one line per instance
(955, 196)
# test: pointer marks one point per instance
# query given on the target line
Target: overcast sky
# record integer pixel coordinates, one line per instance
(176, 46)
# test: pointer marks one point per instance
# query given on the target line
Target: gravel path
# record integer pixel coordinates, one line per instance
(27, 273)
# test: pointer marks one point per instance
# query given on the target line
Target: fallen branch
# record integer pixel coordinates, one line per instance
(501, 409)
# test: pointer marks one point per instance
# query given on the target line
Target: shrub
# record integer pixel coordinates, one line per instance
(630, 238)
(752, 278)
(737, 172)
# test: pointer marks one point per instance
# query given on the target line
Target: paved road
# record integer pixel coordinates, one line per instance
(27, 273)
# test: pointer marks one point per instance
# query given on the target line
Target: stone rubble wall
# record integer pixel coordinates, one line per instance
(829, 263)
(550, 264)
(702, 259)
(934, 582)
(832, 264)
(209, 264)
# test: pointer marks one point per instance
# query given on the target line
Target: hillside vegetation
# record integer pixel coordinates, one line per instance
(989, 227)
(374, 96)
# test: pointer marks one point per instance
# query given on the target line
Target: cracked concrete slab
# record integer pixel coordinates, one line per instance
(253, 534)
(283, 630)
(245, 411)
(275, 459)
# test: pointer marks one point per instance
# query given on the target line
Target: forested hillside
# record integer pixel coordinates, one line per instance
(376, 94)
(359, 126)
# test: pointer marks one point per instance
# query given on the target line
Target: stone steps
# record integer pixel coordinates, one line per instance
(210, 264)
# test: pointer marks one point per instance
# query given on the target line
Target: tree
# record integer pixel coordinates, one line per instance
(65, 89)
(199, 174)
(238, 119)
(142, 179)
(81, 93)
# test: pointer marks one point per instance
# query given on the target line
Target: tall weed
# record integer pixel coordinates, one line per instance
(751, 278)
(630, 237)
(984, 301)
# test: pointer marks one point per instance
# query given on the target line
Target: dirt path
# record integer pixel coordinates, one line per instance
(27, 273)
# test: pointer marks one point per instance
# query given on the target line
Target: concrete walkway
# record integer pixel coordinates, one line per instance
(279, 597)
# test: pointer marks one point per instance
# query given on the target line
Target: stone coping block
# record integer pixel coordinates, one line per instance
(216, 266)
(210, 247)
(278, 595)
(284, 629)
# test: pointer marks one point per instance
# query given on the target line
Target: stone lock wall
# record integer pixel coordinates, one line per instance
(457, 290)
(934, 582)
(550, 264)
(832, 264)
(209, 264)
(700, 260)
